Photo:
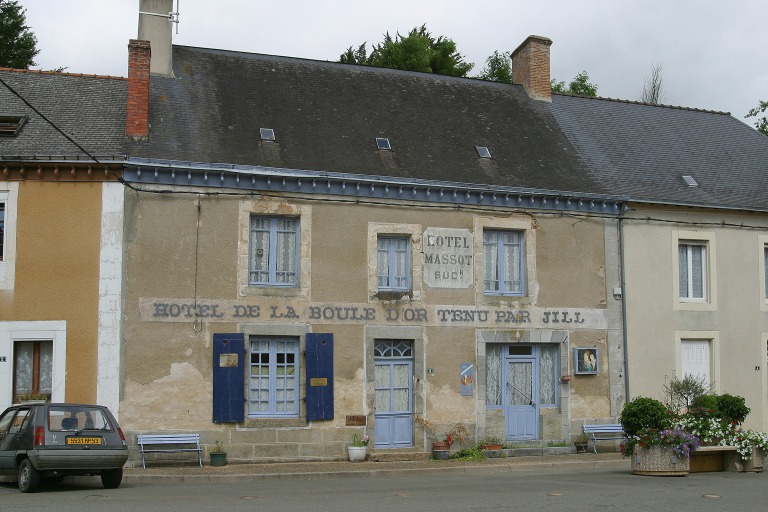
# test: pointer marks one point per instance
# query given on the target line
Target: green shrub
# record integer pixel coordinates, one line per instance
(705, 405)
(732, 408)
(642, 413)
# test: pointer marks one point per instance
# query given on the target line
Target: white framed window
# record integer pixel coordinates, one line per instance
(692, 260)
(393, 263)
(273, 251)
(504, 262)
(32, 369)
(765, 273)
(2, 224)
(696, 359)
(273, 376)
(35, 360)
(8, 200)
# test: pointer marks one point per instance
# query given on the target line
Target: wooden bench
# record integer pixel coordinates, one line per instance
(173, 443)
(604, 432)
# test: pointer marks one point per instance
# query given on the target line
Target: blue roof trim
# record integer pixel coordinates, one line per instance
(270, 179)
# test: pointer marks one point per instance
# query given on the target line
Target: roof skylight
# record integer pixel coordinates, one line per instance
(10, 124)
(383, 143)
(690, 181)
(483, 152)
(267, 133)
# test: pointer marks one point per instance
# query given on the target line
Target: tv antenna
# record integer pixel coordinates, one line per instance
(172, 16)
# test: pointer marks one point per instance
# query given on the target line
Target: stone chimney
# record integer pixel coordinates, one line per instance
(530, 67)
(137, 106)
(155, 26)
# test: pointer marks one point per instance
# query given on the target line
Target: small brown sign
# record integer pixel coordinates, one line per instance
(318, 381)
(356, 421)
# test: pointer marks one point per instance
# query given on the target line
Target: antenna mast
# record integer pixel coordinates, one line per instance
(173, 17)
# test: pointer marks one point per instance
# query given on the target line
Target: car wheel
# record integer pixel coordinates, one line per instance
(111, 479)
(29, 478)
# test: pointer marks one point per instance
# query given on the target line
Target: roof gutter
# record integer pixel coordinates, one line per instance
(270, 179)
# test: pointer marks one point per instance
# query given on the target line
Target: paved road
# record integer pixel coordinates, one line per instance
(553, 490)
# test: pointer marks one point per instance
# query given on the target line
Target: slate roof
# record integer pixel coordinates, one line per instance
(643, 150)
(90, 109)
(326, 117)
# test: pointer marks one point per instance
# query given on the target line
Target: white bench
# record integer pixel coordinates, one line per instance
(604, 432)
(173, 443)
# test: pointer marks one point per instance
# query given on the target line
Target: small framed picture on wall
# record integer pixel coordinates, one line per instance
(586, 361)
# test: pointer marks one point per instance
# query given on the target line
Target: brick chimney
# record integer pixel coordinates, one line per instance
(530, 67)
(137, 107)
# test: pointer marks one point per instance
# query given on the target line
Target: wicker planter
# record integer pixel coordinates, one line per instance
(659, 461)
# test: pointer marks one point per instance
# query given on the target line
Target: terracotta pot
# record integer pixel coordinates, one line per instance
(441, 450)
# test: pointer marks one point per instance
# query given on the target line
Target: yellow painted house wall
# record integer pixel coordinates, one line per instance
(57, 271)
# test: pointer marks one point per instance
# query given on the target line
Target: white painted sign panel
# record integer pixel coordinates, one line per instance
(448, 258)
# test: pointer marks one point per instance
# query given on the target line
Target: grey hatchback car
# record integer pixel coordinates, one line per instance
(45, 441)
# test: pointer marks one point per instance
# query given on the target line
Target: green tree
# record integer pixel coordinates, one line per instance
(418, 51)
(762, 122)
(579, 86)
(17, 42)
(498, 68)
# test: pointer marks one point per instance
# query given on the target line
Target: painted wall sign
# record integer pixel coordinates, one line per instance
(264, 310)
(448, 258)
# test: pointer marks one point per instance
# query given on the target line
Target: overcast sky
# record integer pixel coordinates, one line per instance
(712, 51)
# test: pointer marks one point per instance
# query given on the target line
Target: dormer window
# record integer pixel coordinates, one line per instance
(383, 143)
(267, 134)
(10, 124)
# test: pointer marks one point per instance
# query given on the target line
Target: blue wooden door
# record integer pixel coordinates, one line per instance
(393, 403)
(521, 395)
(319, 376)
(228, 378)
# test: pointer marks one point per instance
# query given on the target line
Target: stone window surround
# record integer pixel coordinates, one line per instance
(707, 239)
(713, 337)
(274, 207)
(9, 195)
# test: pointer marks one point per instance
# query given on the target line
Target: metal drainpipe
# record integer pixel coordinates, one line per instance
(623, 305)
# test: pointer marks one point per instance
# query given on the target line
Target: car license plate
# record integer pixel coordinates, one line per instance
(83, 440)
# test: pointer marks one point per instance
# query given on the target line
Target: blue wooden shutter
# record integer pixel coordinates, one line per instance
(319, 376)
(228, 378)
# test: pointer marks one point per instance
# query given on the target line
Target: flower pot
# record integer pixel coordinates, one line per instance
(659, 461)
(357, 453)
(218, 458)
(441, 450)
(581, 447)
(492, 450)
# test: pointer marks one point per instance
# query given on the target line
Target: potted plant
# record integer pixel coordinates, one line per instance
(491, 446)
(581, 442)
(654, 446)
(218, 455)
(33, 398)
(358, 448)
(442, 442)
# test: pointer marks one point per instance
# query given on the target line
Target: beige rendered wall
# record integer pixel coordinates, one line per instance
(167, 364)
(734, 317)
(57, 269)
